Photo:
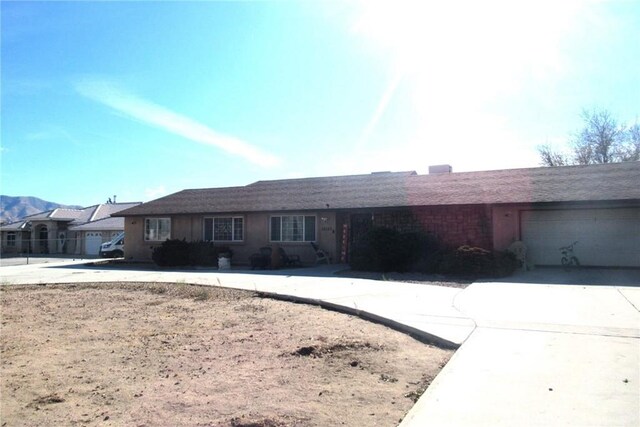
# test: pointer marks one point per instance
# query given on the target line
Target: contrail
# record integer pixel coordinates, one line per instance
(156, 115)
(380, 109)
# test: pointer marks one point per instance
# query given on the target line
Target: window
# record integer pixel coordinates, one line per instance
(224, 229)
(293, 228)
(11, 239)
(157, 229)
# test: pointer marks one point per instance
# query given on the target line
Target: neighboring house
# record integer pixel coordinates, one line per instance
(64, 231)
(596, 205)
(101, 228)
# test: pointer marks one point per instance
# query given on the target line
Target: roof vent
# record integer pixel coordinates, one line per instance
(436, 169)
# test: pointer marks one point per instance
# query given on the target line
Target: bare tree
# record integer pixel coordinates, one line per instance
(548, 157)
(601, 140)
(632, 151)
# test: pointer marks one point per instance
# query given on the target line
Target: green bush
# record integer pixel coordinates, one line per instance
(171, 253)
(387, 250)
(179, 253)
(202, 253)
(423, 249)
(384, 249)
(476, 262)
(505, 263)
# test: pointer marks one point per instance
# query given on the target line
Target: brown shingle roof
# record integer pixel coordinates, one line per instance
(615, 181)
(101, 211)
(74, 217)
(620, 181)
(109, 223)
(58, 214)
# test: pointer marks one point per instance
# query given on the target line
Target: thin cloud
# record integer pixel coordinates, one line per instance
(156, 115)
(380, 110)
(51, 134)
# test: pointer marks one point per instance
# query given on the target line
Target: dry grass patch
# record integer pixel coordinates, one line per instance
(177, 354)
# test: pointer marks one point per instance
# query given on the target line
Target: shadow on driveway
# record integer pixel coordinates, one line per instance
(322, 270)
(576, 276)
(12, 261)
(541, 275)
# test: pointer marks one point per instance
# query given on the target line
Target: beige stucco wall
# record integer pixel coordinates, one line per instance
(74, 243)
(135, 247)
(52, 232)
(11, 249)
(256, 235)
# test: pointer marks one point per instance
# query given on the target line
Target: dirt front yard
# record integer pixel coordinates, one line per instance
(181, 355)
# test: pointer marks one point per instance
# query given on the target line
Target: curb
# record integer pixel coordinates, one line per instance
(415, 333)
(418, 334)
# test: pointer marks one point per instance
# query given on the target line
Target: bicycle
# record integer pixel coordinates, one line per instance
(568, 259)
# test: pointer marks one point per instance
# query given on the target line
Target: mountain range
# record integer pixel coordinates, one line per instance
(14, 208)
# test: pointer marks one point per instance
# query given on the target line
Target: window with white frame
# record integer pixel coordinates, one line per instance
(157, 229)
(11, 239)
(293, 228)
(224, 229)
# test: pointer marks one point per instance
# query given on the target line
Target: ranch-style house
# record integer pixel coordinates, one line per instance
(597, 206)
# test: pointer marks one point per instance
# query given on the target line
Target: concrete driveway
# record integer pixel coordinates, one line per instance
(577, 276)
(531, 354)
(39, 259)
(541, 355)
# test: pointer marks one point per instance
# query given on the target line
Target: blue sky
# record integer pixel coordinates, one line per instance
(142, 99)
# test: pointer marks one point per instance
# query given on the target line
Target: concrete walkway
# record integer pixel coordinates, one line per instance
(531, 354)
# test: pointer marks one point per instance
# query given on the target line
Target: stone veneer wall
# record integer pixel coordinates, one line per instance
(452, 225)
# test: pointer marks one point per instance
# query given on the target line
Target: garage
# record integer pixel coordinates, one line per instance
(92, 242)
(605, 237)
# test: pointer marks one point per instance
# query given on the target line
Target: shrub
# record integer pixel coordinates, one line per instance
(385, 249)
(179, 253)
(476, 262)
(171, 253)
(375, 250)
(202, 253)
(505, 263)
(423, 249)
(465, 260)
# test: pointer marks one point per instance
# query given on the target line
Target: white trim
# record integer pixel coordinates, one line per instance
(304, 231)
(94, 215)
(13, 242)
(144, 230)
(233, 230)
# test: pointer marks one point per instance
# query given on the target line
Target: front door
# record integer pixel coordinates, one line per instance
(43, 239)
(25, 242)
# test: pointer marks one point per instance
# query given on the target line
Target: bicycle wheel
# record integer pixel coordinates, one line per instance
(565, 261)
(574, 261)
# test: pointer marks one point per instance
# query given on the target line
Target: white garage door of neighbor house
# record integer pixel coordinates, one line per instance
(92, 242)
(606, 237)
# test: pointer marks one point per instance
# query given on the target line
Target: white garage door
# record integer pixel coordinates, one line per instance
(92, 243)
(606, 237)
